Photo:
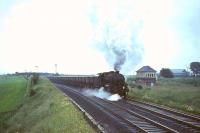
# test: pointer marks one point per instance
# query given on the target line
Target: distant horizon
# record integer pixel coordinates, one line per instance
(134, 73)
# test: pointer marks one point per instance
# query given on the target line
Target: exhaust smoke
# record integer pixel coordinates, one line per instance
(118, 36)
(120, 58)
(122, 50)
(101, 93)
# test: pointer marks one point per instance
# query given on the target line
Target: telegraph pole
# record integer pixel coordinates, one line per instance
(56, 67)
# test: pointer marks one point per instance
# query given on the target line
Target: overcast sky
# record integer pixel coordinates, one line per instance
(79, 35)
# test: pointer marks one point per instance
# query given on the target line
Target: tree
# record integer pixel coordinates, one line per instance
(166, 72)
(195, 67)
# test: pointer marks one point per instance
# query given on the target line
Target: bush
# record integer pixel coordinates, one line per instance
(32, 93)
(195, 67)
(34, 79)
(139, 87)
(132, 85)
(166, 72)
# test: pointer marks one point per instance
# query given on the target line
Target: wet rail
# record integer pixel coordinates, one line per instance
(141, 117)
(111, 122)
(161, 120)
(192, 121)
(133, 120)
(162, 107)
(142, 122)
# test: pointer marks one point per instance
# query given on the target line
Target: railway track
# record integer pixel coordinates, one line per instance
(186, 119)
(192, 116)
(143, 117)
(132, 119)
(136, 120)
(163, 120)
(106, 119)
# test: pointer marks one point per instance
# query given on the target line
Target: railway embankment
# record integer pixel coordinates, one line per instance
(37, 107)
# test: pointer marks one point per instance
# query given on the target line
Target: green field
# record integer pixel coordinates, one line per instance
(47, 111)
(179, 93)
(16, 85)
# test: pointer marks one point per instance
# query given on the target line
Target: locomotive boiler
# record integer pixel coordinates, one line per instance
(112, 81)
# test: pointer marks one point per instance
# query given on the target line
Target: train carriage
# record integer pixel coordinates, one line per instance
(112, 81)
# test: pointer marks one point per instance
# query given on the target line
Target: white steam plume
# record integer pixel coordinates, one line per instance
(114, 97)
(101, 93)
(116, 36)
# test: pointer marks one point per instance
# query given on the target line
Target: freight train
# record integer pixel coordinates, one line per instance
(112, 81)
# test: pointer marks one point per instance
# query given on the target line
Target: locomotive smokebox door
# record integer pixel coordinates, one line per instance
(114, 82)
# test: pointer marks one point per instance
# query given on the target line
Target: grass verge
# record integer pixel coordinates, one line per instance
(12, 90)
(47, 111)
(179, 93)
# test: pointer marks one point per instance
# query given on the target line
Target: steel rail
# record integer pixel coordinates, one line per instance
(165, 128)
(162, 107)
(143, 117)
(170, 117)
(112, 112)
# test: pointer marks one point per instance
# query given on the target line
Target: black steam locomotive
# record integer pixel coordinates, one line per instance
(112, 81)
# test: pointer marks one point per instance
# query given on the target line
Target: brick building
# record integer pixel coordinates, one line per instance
(146, 76)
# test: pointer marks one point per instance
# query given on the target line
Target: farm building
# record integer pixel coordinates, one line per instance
(179, 72)
(146, 76)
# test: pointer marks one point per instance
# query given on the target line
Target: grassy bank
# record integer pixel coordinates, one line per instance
(12, 95)
(179, 93)
(45, 111)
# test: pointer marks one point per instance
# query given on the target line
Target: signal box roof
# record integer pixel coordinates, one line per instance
(146, 69)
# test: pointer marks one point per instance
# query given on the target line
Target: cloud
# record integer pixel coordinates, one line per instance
(43, 32)
(165, 33)
(186, 27)
(141, 30)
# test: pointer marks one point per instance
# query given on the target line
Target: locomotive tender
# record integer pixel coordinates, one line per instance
(112, 81)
